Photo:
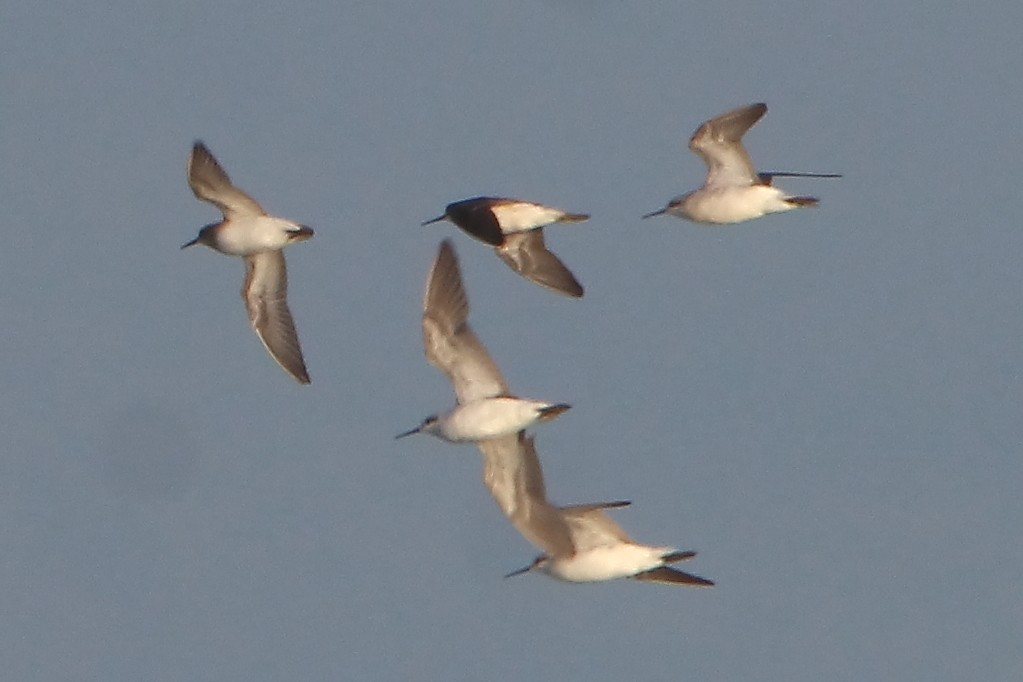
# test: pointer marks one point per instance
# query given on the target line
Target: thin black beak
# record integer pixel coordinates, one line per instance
(191, 243)
(435, 220)
(408, 433)
(660, 211)
(524, 569)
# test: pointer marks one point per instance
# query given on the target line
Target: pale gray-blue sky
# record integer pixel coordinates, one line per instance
(826, 404)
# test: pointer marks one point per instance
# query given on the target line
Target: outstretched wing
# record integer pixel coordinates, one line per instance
(449, 342)
(513, 475)
(210, 183)
(526, 254)
(266, 298)
(719, 143)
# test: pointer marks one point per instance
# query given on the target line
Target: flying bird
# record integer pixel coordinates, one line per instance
(485, 407)
(248, 231)
(733, 191)
(580, 543)
(515, 229)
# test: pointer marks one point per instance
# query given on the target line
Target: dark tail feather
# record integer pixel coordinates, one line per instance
(676, 557)
(553, 411)
(665, 574)
(574, 217)
(802, 201)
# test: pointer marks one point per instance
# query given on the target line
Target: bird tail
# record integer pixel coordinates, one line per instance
(666, 574)
(675, 557)
(552, 411)
(301, 233)
(574, 217)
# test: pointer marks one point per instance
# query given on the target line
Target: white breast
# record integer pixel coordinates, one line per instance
(606, 563)
(489, 418)
(524, 216)
(726, 205)
(243, 237)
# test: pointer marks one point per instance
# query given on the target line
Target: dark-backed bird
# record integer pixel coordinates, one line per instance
(515, 229)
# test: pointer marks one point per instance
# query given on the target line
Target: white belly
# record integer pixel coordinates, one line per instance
(253, 234)
(607, 563)
(524, 217)
(489, 418)
(726, 205)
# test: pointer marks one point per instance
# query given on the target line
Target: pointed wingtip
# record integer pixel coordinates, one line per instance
(570, 289)
(293, 365)
(573, 288)
(199, 150)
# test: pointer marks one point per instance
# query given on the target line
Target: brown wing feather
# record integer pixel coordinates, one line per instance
(527, 254)
(449, 342)
(512, 473)
(209, 182)
(719, 143)
(266, 299)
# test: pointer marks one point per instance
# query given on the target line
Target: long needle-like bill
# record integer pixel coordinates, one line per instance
(524, 569)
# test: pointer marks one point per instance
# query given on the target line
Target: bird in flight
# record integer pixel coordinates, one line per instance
(248, 231)
(733, 191)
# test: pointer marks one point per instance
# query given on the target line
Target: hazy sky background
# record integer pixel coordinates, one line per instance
(825, 404)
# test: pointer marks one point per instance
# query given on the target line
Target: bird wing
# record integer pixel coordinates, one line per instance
(450, 344)
(513, 475)
(266, 298)
(210, 183)
(526, 254)
(719, 143)
(591, 527)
